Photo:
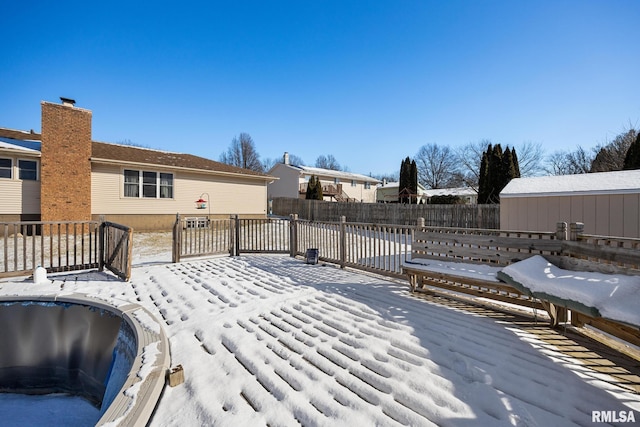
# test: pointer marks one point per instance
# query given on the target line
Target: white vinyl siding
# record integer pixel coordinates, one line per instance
(229, 195)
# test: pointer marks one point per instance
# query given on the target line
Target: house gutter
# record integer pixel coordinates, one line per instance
(266, 178)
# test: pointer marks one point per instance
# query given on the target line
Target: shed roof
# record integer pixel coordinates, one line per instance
(619, 182)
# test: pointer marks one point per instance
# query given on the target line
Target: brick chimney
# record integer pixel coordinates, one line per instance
(65, 177)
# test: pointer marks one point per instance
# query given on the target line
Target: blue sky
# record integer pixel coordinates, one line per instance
(368, 82)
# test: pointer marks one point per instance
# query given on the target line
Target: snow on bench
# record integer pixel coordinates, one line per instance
(611, 296)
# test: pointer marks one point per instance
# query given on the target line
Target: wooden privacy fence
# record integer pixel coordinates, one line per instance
(64, 246)
(463, 216)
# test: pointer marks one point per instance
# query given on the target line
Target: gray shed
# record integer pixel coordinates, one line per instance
(608, 203)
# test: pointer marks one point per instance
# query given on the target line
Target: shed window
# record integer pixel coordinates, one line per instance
(28, 170)
(5, 168)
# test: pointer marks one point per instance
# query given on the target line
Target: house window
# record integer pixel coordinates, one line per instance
(166, 186)
(354, 183)
(5, 168)
(336, 180)
(131, 183)
(367, 185)
(148, 184)
(28, 170)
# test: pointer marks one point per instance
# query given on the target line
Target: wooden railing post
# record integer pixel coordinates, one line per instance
(236, 251)
(293, 235)
(343, 241)
(101, 243)
(577, 228)
(561, 231)
(176, 248)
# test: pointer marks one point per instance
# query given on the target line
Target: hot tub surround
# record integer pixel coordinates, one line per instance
(82, 346)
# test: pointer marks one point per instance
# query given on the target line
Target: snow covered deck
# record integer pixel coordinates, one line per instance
(270, 340)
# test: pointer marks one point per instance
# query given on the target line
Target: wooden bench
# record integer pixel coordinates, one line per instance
(468, 261)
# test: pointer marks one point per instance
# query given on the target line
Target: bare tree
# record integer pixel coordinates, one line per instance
(530, 160)
(469, 157)
(242, 153)
(610, 157)
(569, 162)
(269, 162)
(328, 162)
(437, 166)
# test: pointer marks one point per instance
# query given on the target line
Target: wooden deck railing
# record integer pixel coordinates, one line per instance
(64, 246)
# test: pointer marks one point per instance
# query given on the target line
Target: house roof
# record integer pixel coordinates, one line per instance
(30, 142)
(396, 186)
(619, 182)
(19, 134)
(333, 173)
(128, 154)
(23, 147)
(460, 191)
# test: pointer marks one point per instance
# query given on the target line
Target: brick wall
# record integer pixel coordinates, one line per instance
(65, 170)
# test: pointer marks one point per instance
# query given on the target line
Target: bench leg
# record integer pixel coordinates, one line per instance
(413, 279)
(556, 313)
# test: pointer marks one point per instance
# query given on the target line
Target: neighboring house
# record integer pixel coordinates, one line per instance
(467, 194)
(336, 185)
(608, 203)
(61, 174)
(388, 192)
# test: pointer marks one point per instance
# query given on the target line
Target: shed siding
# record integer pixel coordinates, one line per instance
(605, 214)
(630, 211)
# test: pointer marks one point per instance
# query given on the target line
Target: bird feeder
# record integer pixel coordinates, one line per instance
(201, 203)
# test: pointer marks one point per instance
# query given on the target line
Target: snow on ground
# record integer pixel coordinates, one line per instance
(270, 340)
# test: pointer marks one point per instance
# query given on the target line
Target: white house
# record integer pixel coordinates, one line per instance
(388, 192)
(467, 194)
(337, 186)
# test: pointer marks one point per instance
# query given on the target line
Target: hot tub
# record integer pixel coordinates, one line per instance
(114, 356)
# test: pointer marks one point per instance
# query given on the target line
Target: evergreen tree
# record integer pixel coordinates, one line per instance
(516, 164)
(405, 180)
(413, 187)
(497, 168)
(483, 178)
(314, 189)
(632, 158)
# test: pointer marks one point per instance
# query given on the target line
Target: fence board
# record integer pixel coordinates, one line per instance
(464, 216)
